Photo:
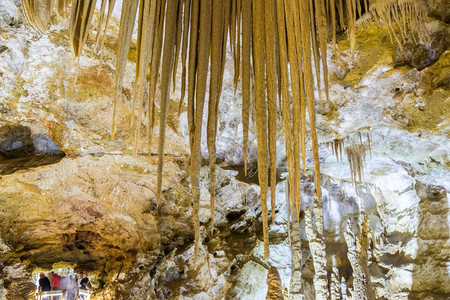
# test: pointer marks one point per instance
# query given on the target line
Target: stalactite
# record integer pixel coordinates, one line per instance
(356, 155)
(288, 36)
(192, 67)
(61, 7)
(82, 12)
(357, 243)
(166, 71)
(111, 5)
(323, 41)
(216, 51)
(100, 21)
(238, 46)
(309, 88)
(177, 44)
(246, 50)
(315, 234)
(38, 13)
(261, 112)
(286, 99)
(154, 67)
(402, 15)
(184, 50)
(336, 147)
(351, 23)
(147, 14)
(315, 42)
(129, 10)
(204, 40)
(271, 81)
(333, 24)
(295, 74)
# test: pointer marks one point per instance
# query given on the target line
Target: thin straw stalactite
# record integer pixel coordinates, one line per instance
(145, 39)
(309, 88)
(216, 52)
(272, 81)
(246, 51)
(322, 30)
(192, 67)
(166, 71)
(261, 112)
(202, 75)
(295, 72)
(111, 6)
(154, 68)
(129, 10)
(281, 24)
(184, 51)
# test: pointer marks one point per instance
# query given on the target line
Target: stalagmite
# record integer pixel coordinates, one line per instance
(335, 284)
(275, 291)
(295, 286)
(356, 238)
(316, 240)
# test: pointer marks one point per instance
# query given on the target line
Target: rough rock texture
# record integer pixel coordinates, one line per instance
(94, 209)
(423, 55)
(20, 149)
(275, 291)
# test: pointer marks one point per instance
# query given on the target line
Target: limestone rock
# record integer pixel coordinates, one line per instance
(423, 55)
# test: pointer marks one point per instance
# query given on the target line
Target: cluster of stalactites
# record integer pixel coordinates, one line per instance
(402, 18)
(263, 51)
(272, 43)
(356, 155)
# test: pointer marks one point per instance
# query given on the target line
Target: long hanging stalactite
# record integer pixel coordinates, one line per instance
(279, 41)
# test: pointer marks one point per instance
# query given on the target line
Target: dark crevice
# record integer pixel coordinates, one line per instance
(20, 149)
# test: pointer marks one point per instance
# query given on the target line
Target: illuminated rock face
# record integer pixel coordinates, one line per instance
(94, 208)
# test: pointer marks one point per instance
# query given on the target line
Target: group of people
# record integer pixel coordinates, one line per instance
(70, 285)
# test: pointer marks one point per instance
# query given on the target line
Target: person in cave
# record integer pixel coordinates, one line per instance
(44, 284)
(84, 283)
(56, 283)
